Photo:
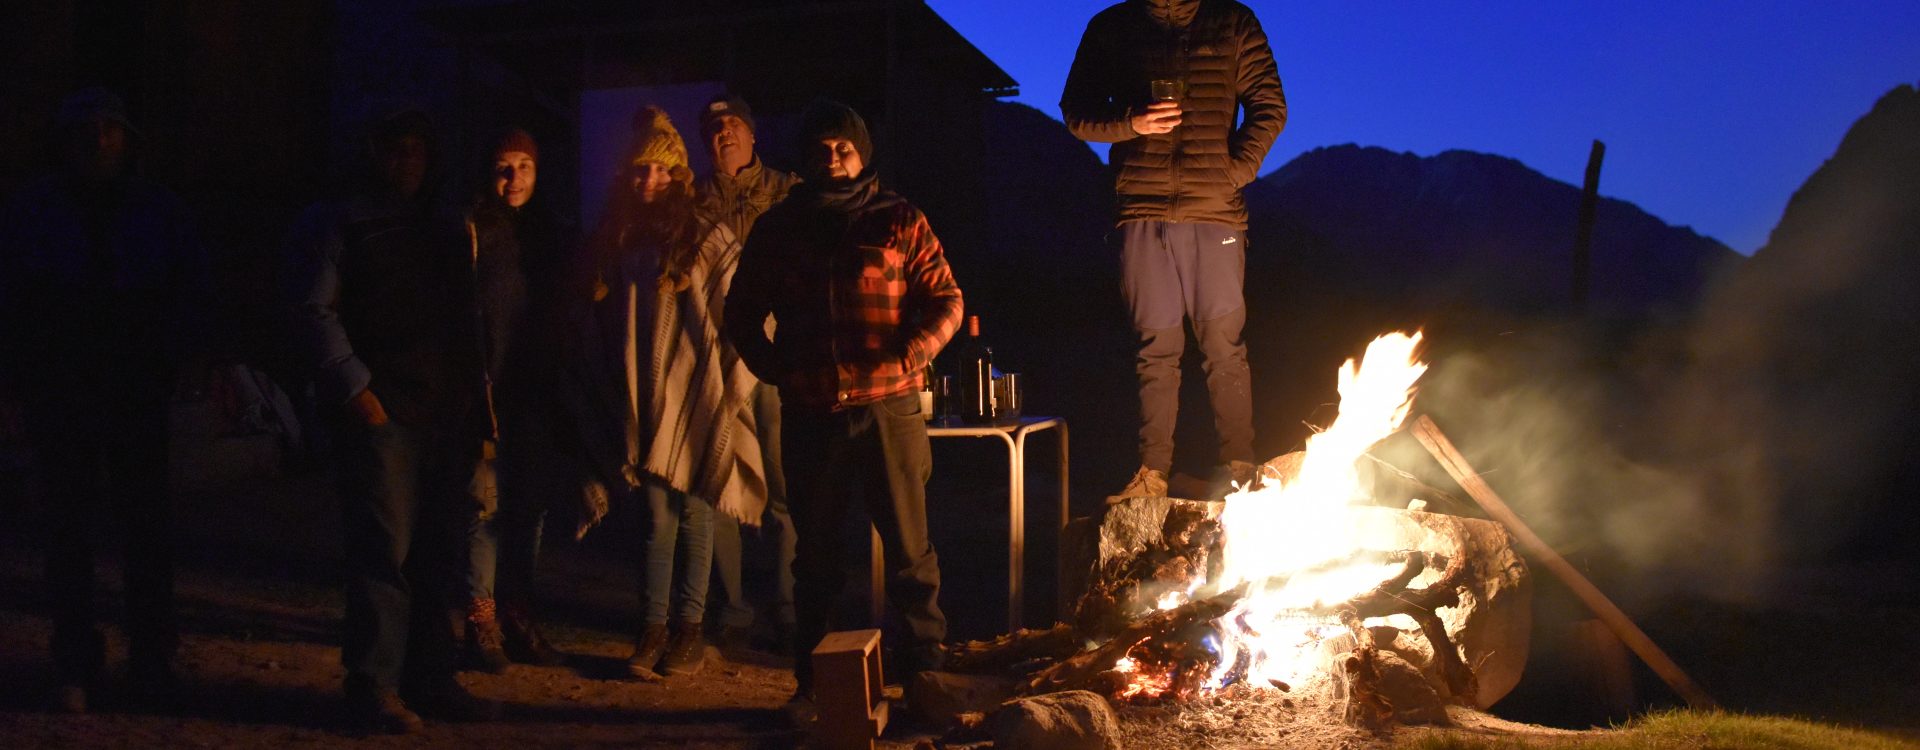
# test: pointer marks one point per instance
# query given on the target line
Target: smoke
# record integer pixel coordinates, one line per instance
(1578, 446)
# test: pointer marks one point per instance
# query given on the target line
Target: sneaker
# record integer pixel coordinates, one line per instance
(380, 711)
(648, 650)
(1248, 476)
(447, 700)
(486, 646)
(524, 641)
(1145, 483)
(687, 652)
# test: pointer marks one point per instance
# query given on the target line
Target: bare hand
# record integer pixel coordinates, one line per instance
(367, 406)
(1157, 118)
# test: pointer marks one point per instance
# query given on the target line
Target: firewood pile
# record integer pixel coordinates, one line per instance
(1448, 625)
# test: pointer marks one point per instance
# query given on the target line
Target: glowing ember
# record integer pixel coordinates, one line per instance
(1295, 543)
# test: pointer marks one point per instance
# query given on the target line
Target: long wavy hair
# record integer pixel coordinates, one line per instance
(669, 223)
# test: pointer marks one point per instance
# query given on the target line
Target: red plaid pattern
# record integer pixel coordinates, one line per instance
(863, 303)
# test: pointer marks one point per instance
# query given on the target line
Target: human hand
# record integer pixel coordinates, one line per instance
(367, 407)
(1156, 119)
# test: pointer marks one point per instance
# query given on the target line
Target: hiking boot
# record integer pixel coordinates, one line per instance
(377, 710)
(524, 641)
(1145, 483)
(687, 652)
(648, 649)
(907, 661)
(446, 699)
(486, 650)
(69, 698)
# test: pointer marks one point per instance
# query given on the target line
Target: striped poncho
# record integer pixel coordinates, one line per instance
(689, 396)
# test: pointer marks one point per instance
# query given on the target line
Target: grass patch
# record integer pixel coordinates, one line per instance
(1685, 730)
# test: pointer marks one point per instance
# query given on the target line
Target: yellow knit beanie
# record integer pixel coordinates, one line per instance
(655, 140)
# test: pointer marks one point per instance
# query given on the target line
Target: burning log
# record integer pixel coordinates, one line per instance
(1009, 651)
(1083, 670)
(1133, 573)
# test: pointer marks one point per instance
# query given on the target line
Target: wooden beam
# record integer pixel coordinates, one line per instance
(1616, 620)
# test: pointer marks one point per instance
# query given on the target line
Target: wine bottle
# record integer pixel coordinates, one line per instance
(977, 403)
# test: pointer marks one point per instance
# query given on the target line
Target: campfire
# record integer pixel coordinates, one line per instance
(1314, 583)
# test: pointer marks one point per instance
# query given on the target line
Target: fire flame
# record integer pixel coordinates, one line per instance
(1294, 543)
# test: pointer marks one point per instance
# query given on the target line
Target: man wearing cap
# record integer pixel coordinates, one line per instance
(738, 191)
(864, 298)
(1163, 81)
(383, 310)
(102, 288)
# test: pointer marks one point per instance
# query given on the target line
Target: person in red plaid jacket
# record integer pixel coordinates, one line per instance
(863, 300)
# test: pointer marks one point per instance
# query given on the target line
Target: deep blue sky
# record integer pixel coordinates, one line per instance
(1713, 111)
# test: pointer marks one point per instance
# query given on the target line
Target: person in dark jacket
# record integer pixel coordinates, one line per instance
(1162, 80)
(736, 193)
(864, 299)
(102, 287)
(528, 273)
(381, 290)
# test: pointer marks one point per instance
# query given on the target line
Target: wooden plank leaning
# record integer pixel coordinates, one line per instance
(1616, 620)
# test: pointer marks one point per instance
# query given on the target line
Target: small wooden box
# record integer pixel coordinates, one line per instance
(848, 686)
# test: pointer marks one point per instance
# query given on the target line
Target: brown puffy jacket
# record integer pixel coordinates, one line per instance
(1193, 174)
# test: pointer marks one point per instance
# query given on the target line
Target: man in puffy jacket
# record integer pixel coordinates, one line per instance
(1162, 80)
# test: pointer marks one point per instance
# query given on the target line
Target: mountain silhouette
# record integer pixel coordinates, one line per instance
(1345, 242)
(1812, 348)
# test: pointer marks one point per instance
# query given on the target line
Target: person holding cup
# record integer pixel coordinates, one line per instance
(1162, 80)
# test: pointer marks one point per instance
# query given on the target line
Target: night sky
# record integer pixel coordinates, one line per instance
(1713, 111)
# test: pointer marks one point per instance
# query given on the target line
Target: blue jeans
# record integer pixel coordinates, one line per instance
(503, 541)
(679, 556)
(402, 495)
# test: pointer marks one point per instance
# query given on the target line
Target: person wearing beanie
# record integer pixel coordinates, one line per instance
(687, 406)
(381, 298)
(103, 290)
(736, 193)
(524, 262)
(864, 299)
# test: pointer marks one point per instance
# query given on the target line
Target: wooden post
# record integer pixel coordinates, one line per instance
(1456, 465)
(848, 687)
(1583, 237)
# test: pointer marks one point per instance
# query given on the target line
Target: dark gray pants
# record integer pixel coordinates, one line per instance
(403, 502)
(876, 455)
(1175, 272)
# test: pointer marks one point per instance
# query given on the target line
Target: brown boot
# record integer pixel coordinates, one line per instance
(524, 641)
(648, 650)
(485, 644)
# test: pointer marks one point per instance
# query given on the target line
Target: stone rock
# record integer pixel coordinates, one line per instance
(935, 698)
(1073, 720)
(1413, 699)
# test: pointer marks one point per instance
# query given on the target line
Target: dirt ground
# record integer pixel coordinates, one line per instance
(259, 601)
